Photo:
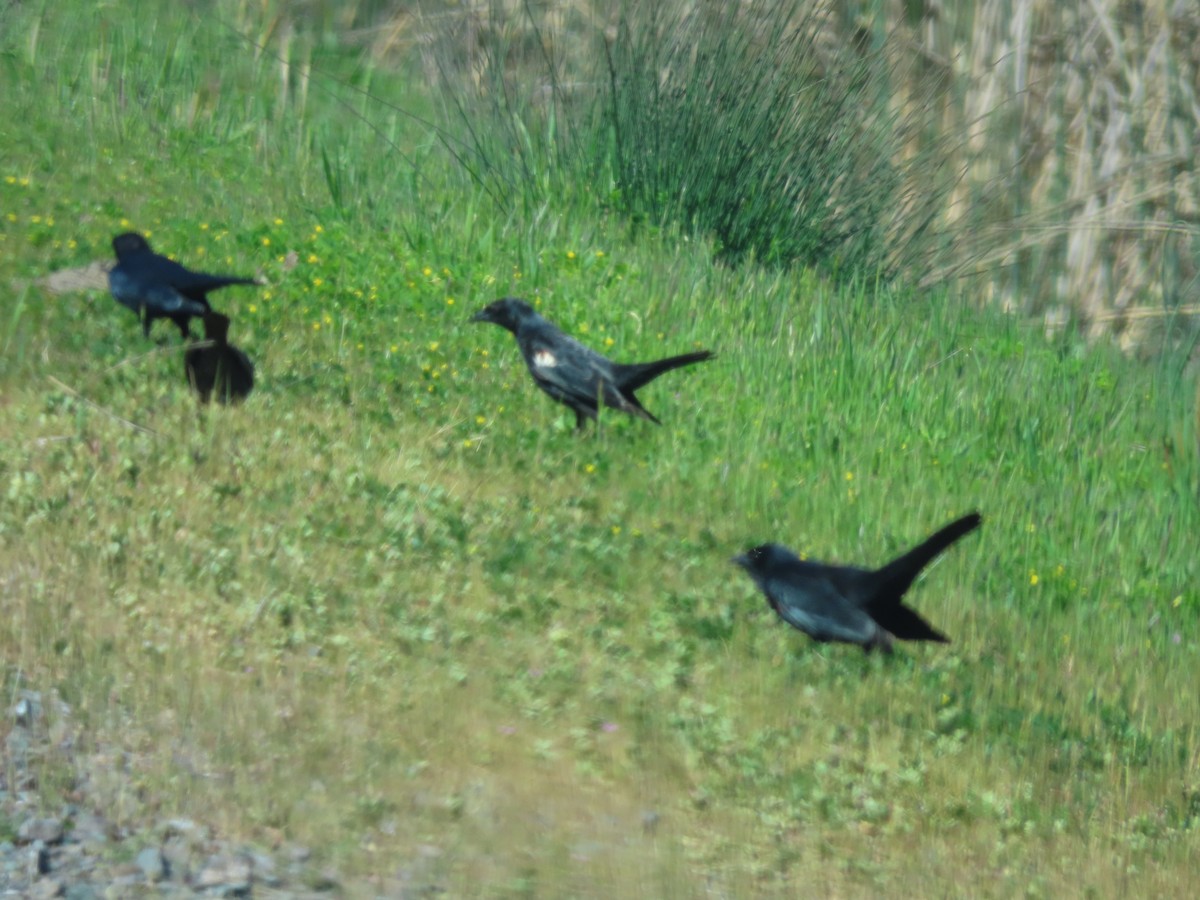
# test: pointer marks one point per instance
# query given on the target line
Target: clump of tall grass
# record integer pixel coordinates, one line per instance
(744, 125)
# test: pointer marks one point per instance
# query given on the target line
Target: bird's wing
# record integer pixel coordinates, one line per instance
(807, 597)
(125, 287)
(567, 369)
(155, 268)
(165, 299)
(130, 286)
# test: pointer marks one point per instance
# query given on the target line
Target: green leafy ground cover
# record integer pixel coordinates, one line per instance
(393, 602)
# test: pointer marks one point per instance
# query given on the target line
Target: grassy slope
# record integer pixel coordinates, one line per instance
(392, 602)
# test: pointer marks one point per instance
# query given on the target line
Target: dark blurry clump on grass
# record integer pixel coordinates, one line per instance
(748, 126)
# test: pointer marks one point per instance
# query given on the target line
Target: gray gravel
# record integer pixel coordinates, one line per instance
(78, 852)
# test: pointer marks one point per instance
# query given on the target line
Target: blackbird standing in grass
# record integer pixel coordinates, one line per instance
(845, 603)
(217, 365)
(573, 374)
(155, 287)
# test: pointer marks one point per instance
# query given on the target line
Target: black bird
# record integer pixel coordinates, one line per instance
(218, 365)
(845, 603)
(573, 374)
(155, 287)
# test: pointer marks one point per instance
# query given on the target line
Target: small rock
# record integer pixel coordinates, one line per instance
(73, 858)
(126, 887)
(81, 892)
(48, 830)
(16, 747)
(28, 708)
(88, 828)
(152, 864)
(229, 873)
(298, 854)
(46, 889)
(38, 861)
(125, 873)
(186, 829)
(180, 859)
(264, 868)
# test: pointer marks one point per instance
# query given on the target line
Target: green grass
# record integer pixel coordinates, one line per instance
(392, 601)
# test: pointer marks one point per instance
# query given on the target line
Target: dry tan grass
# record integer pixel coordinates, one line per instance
(92, 277)
(1093, 150)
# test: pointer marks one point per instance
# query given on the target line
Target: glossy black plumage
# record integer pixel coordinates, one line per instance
(155, 287)
(572, 373)
(217, 366)
(846, 603)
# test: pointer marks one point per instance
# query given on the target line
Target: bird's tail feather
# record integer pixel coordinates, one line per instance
(904, 623)
(900, 572)
(632, 376)
(212, 282)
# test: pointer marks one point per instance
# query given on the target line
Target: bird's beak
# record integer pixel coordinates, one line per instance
(741, 560)
(481, 316)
